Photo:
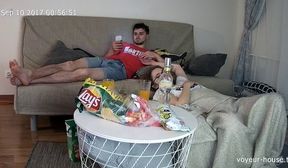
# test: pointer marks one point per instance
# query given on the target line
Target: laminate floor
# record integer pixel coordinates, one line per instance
(16, 139)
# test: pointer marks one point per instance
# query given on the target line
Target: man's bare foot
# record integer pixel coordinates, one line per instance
(15, 81)
(20, 73)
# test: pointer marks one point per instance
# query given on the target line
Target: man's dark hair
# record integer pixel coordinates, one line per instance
(141, 26)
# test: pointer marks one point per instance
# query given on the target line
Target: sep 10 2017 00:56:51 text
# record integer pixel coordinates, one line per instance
(38, 12)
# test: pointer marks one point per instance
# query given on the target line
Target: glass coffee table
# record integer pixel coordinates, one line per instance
(107, 144)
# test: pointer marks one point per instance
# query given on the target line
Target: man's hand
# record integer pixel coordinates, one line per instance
(151, 58)
(150, 55)
(117, 46)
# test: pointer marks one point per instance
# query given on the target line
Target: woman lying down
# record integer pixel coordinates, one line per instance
(235, 130)
(232, 132)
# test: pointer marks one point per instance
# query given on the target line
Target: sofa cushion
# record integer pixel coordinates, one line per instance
(61, 53)
(206, 65)
(57, 99)
(176, 58)
(224, 86)
(47, 99)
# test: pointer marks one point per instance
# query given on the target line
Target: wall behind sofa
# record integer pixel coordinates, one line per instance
(217, 23)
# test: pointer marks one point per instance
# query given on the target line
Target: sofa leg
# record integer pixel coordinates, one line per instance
(33, 123)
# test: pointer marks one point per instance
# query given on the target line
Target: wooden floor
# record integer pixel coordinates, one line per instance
(16, 139)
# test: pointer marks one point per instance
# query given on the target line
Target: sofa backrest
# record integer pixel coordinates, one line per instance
(95, 34)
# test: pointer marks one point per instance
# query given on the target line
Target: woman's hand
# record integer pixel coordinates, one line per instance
(188, 84)
(178, 70)
(176, 67)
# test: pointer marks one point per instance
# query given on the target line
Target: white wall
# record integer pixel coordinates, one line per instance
(215, 23)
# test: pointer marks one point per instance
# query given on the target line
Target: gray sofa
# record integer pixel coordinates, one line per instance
(93, 34)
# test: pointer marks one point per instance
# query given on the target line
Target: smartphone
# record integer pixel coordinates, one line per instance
(118, 38)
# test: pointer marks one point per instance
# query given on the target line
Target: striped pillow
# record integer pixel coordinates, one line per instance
(258, 87)
(251, 88)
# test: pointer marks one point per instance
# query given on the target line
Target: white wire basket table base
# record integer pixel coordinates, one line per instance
(107, 144)
(107, 153)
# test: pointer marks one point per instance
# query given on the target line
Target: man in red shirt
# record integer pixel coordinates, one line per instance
(121, 61)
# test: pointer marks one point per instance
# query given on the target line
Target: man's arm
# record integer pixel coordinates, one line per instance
(109, 52)
(151, 58)
(153, 55)
(115, 48)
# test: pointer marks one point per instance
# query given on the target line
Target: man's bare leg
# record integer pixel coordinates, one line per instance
(54, 68)
(72, 76)
(26, 76)
(19, 73)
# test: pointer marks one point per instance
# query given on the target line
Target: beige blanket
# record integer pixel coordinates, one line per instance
(236, 133)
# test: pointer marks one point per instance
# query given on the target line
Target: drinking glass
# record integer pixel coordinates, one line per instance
(144, 89)
(109, 83)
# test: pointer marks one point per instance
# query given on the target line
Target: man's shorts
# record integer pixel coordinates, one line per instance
(113, 69)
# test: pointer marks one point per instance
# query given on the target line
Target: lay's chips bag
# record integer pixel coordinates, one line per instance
(99, 100)
(105, 103)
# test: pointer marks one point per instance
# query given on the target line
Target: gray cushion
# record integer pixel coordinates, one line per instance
(224, 86)
(206, 65)
(60, 53)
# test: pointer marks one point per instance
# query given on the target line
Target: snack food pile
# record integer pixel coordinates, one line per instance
(131, 110)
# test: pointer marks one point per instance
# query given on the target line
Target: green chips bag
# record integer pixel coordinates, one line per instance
(72, 140)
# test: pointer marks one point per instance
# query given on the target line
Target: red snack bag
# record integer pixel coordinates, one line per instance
(139, 113)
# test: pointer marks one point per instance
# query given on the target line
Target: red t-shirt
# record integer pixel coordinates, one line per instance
(129, 56)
